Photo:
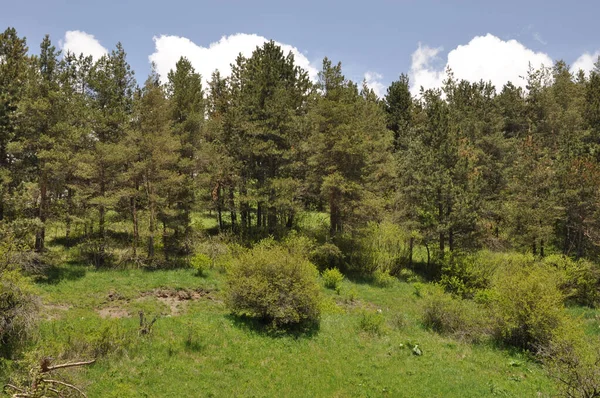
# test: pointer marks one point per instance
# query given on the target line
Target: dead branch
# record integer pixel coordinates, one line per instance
(62, 383)
(14, 387)
(67, 365)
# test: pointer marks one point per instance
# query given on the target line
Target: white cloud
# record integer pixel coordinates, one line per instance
(79, 42)
(373, 80)
(218, 55)
(423, 72)
(485, 58)
(585, 62)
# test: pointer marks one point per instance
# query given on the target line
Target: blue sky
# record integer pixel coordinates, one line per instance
(382, 38)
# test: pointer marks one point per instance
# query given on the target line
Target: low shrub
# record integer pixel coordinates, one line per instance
(384, 247)
(275, 285)
(201, 263)
(575, 366)
(332, 278)
(18, 310)
(580, 281)
(326, 256)
(383, 278)
(528, 307)
(372, 322)
(460, 318)
(465, 274)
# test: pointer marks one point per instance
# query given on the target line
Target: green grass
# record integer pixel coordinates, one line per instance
(203, 351)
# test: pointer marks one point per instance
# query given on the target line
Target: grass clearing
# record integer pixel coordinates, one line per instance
(203, 351)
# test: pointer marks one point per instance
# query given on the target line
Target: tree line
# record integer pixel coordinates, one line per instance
(462, 167)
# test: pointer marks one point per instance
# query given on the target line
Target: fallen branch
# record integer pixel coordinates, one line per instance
(62, 383)
(67, 365)
(14, 387)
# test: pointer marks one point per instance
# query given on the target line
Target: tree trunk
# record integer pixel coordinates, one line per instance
(219, 207)
(334, 214)
(232, 211)
(152, 226)
(259, 214)
(134, 242)
(40, 235)
(410, 252)
(441, 220)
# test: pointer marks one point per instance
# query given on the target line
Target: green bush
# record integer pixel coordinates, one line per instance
(465, 274)
(371, 322)
(580, 281)
(383, 278)
(460, 318)
(332, 278)
(575, 365)
(528, 307)
(201, 263)
(383, 247)
(326, 256)
(275, 285)
(18, 310)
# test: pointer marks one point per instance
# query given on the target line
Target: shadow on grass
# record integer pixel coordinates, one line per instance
(426, 273)
(54, 274)
(305, 330)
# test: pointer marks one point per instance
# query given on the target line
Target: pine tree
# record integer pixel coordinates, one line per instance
(349, 149)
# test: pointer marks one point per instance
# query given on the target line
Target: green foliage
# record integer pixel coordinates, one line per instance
(383, 247)
(201, 263)
(372, 322)
(580, 279)
(464, 275)
(528, 307)
(18, 311)
(327, 256)
(575, 366)
(383, 278)
(460, 318)
(274, 285)
(332, 278)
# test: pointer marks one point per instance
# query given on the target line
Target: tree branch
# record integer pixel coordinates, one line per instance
(68, 365)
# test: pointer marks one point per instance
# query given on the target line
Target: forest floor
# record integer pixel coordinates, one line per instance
(196, 348)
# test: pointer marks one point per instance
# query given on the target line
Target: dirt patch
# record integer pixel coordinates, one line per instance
(175, 299)
(112, 312)
(355, 304)
(54, 311)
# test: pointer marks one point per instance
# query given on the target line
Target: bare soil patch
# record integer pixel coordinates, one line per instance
(112, 312)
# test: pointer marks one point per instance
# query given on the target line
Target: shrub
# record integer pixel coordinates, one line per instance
(464, 275)
(383, 247)
(383, 278)
(580, 281)
(528, 307)
(274, 285)
(575, 366)
(408, 275)
(18, 309)
(327, 255)
(371, 322)
(200, 262)
(457, 317)
(332, 278)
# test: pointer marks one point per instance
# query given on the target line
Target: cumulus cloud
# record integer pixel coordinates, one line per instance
(585, 62)
(79, 42)
(217, 56)
(373, 80)
(485, 58)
